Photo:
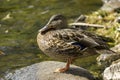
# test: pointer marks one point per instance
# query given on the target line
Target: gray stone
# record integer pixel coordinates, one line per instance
(45, 71)
(116, 48)
(111, 63)
(105, 59)
(112, 72)
(26, 73)
(110, 5)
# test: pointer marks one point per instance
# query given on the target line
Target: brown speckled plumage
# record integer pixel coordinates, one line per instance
(59, 41)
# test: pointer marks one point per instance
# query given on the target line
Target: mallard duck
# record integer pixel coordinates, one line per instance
(57, 40)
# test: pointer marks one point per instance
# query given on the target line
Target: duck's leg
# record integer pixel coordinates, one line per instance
(66, 67)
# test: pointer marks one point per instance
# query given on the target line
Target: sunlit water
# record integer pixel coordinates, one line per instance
(20, 21)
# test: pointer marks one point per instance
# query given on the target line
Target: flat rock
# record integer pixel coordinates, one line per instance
(45, 71)
(112, 72)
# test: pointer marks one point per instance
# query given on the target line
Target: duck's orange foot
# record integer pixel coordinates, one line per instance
(61, 70)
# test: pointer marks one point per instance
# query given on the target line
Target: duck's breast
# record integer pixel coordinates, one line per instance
(56, 43)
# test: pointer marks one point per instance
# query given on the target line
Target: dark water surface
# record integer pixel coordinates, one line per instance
(21, 19)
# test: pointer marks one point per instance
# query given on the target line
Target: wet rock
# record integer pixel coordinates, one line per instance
(45, 71)
(112, 72)
(111, 5)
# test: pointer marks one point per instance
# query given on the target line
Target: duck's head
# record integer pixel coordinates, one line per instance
(56, 22)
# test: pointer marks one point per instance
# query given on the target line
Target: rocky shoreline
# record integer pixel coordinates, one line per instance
(45, 71)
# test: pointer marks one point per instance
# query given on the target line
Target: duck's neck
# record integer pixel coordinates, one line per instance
(44, 32)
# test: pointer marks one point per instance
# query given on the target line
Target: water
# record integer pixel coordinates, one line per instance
(21, 19)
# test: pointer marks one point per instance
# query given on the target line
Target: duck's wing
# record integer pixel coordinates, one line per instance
(101, 40)
(82, 39)
(98, 38)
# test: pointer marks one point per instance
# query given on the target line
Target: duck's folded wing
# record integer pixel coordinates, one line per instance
(81, 39)
(84, 43)
(87, 42)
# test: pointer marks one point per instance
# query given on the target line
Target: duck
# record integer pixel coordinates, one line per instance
(60, 41)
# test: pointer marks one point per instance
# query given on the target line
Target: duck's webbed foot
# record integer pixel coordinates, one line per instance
(65, 68)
